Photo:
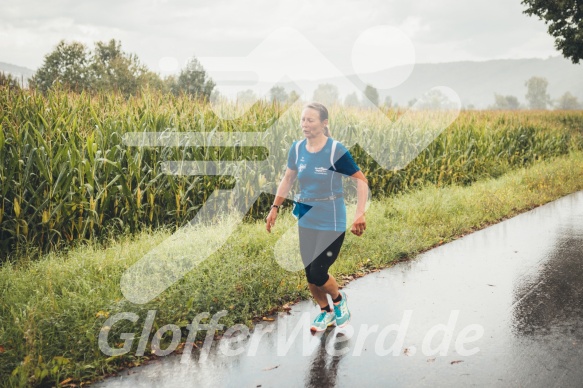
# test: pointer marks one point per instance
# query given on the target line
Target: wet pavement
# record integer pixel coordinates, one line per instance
(500, 307)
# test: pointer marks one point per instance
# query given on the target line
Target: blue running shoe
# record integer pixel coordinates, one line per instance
(341, 311)
(322, 321)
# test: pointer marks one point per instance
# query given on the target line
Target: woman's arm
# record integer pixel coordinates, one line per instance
(282, 191)
(285, 186)
(359, 225)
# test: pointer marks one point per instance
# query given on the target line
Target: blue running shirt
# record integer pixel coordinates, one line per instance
(320, 176)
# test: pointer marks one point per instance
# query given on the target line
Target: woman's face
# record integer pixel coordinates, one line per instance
(311, 125)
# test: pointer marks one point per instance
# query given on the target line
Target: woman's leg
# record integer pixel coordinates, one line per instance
(325, 247)
(330, 287)
(319, 295)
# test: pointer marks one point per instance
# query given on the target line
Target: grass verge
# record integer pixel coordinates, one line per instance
(52, 310)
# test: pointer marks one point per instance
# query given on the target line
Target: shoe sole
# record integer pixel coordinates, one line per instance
(317, 330)
(345, 323)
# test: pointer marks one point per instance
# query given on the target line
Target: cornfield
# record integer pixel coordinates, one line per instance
(66, 174)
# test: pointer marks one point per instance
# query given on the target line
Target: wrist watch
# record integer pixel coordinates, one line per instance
(274, 206)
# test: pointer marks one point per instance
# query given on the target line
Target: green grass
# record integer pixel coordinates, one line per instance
(52, 309)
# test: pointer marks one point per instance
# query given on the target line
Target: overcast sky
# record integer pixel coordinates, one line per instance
(165, 33)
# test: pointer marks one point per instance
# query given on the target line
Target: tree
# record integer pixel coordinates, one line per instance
(565, 20)
(388, 102)
(8, 81)
(433, 100)
(505, 102)
(112, 69)
(171, 84)
(293, 97)
(372, 96)
(194, 81)
(217, 97)
(67, 64)
(536, 95)
(108, 68)
(326, 94)
(152, 80)
(568, 102)
(246, 97)
(351, 100)
(278, 94)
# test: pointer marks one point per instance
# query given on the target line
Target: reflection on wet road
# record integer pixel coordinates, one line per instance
(500, 307)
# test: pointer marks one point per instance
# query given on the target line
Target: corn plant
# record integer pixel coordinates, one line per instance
(66, 175)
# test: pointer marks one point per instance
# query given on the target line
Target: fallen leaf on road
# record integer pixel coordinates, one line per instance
(273, 367)
(456, 362)
(268, 319)
(286, 307)
(65, 381)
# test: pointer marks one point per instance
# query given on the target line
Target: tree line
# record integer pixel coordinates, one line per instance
(107, 68)
(537, 98)
(326, 94)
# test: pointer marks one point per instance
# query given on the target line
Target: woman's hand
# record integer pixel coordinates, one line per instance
(270, 220)
(359, 226)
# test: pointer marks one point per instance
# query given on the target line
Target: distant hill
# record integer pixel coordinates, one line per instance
(19, 72)
(476, 82)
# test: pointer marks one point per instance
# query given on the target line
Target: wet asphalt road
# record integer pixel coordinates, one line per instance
(500, 307)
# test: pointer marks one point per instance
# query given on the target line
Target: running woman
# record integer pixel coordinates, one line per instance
(317, 161)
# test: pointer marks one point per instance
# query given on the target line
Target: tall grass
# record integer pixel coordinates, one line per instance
(67, 176)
